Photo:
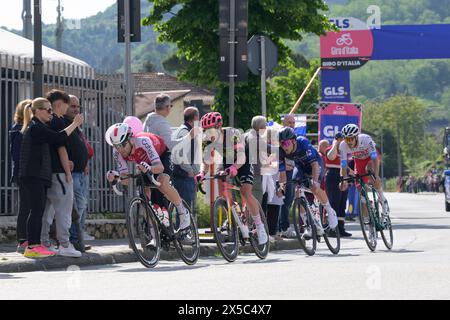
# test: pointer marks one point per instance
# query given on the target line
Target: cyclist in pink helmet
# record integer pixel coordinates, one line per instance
(227, 142)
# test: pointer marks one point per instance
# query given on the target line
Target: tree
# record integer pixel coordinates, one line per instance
(412, 117)
(193, 28)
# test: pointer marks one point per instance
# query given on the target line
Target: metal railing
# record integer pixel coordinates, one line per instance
(102, 98)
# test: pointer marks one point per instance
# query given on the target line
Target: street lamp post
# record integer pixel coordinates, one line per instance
(37, 63)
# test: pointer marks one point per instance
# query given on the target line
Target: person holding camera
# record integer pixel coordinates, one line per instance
(338, 198)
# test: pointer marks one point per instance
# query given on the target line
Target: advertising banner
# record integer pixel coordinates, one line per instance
(336, 85)
(334, 116)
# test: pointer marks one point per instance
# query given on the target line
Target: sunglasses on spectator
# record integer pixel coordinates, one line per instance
(49, 110)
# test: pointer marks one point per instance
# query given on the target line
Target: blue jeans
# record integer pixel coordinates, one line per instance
(186, 188)
(288, 198)
(81, 197)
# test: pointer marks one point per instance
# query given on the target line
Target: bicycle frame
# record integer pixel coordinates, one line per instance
(169, 232)
(302, 190)
(226, 192)
(365, 197)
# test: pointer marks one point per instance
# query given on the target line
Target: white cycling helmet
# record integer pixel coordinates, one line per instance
(350, 130)
(118, 133)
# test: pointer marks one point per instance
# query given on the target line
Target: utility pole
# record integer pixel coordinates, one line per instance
(37, 63)
(27, 30)
(128, 78)
(59, 27)
(231, 75)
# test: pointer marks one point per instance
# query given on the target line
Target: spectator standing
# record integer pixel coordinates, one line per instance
(156, 122)
(35, 172)
(338, 198)
(15, 139)
(254, 143)
(284, 224)
(60, 195)
(323, 146)
(185, 169)
(79, 155)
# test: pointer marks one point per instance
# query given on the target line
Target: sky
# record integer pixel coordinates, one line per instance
(11, 10)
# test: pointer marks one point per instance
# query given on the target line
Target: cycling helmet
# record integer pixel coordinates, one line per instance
(286, 133)
(211, 120)
(350, 130)
(118, 134)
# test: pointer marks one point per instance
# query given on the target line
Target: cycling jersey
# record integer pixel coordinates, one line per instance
(229, 148)
(157, 141)
(144, 151)
(365, 149)
(303, 156)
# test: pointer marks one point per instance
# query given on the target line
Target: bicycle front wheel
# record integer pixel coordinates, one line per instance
(261, 250)
(305, 227)
(225, 230)
(386, 233)
(187, 242)
(143, 232)
(331, 236)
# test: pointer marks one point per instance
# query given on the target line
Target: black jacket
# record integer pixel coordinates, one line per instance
(76, 149)
(15, 140)
(35, 161)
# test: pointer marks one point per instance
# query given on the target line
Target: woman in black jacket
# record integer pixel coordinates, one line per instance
(15, 140)
(35, 167)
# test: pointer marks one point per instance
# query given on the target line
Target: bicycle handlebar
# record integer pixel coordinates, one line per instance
(356, 177)
(216, 176)
(118, 178)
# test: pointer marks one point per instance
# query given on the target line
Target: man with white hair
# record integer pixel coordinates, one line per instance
(284, 224)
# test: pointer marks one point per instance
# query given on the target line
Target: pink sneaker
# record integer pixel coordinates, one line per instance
(38, 252)
(21, 247)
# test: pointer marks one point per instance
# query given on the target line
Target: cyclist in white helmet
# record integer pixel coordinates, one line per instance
(150, 154)
(362, 148)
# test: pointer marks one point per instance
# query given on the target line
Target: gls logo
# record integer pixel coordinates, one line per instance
(341, 23)
(333, 91)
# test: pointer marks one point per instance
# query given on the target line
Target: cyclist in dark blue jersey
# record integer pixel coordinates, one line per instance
(308, 165)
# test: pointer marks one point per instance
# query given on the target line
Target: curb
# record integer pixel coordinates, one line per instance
(121, 256)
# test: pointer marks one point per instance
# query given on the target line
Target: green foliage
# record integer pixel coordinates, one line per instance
(285, 90)
(194, 31)
(412, 117)
(427, 79)
(203, 212)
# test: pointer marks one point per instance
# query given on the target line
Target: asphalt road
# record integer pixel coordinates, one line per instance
(418, 267)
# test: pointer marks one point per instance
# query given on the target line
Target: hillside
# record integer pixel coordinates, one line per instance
(96, 43)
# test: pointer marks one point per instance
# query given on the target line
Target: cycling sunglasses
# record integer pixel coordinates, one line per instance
(349, 138)
(120, 145)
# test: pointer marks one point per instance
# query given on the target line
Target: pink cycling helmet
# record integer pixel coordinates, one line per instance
(211, 119)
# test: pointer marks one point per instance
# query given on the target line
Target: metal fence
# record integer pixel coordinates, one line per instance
(102, 99)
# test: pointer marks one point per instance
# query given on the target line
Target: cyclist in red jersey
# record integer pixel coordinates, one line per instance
(150, 154)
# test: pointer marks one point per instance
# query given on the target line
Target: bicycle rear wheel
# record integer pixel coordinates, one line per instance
(331, 236)
(186, 242)
(366, 220)
(225, 230)
(143, 232)
(305, 227)
(262, 250)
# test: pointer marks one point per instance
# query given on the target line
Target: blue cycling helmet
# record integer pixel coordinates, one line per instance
(286, 134)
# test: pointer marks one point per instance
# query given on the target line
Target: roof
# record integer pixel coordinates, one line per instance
(144, 102)
(17, 47)
(161, 82)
